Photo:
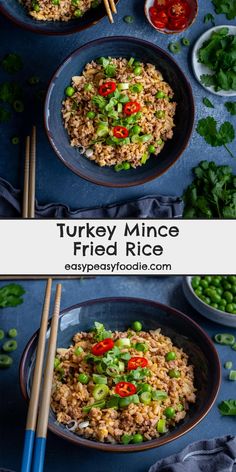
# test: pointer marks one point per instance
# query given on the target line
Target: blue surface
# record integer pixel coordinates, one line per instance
(41, 56)
(60, 455)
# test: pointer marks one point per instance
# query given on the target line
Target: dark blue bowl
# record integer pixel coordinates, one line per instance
(13, 10)
(117, 47)
(118, 314)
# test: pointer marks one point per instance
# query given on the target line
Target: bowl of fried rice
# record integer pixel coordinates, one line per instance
(119, 118)
(54, 17)
(129, 374)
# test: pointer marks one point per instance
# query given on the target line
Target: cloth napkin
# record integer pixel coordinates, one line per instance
(144, 207)
(213, 455)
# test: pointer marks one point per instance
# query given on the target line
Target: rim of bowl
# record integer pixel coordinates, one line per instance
(155, 174)
(41, 30)
(148, 444)
(165, 31)
(188, 279)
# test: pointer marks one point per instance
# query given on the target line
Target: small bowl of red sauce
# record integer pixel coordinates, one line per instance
(171, 16)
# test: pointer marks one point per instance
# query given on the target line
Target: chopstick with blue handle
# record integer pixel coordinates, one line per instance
(42, 425)
(34, 397)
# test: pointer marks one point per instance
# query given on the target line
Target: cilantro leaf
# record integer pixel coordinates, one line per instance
(12, 63)
(227, 407)
(5, 115)
(209, 17)
(207, 128)
(212, 194)
(231, 107)
(11, 295)
(228, 7)
(207, 102)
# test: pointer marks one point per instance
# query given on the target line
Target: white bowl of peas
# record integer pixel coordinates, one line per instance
(213, 296)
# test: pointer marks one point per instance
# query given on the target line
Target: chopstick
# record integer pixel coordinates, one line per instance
(28, 209)
(110, 8)
(34, 398)
(42, 425)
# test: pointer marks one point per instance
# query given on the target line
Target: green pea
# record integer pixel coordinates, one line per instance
(78, 13)
(204, 283)
(160, 94)
(2, 334)
(136, 129)
(126, 165)
(56, 362)
(223, 302)
(56, 2)
(5, 361)
(174, 374)
(137, 438)
(219, 290)
(233, 289)
(195, 282)
(100, 392)
(137, 326)
(216, 281)
(83, 378)
(180, 407)
(141, 347)
(159, 142)
(230, 308)
(91, 115)
(151, 149)
(36, 7)
(69, 91)
(221, 307)
(170, 356)
(214, 305)
(169, 412)
(232, 279)
(144, 387)
(227, 285)
(228, 296)
(137, 70)
(126, 438)
(9, 346)
(12, 333)
(75, 2)
(208, 278)
(198, 291)
(146, 398)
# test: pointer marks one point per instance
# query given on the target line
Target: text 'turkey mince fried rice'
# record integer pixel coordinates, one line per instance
(119, 112)
(121, 387)
(58, 10)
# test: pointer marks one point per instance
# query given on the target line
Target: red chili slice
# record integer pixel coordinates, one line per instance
(178, 9)
(179, 24)
(158, 23)
(153, 12)
(107, 88)
(103, 346)
(160, 4)
(131, 107)
(136, 362)
(125, 389)
(120, 132)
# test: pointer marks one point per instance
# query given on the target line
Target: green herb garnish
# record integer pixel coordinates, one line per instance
(209, 18)
(231, 107)
(11, 295)
(207, 128)
(12, 63)
(207, 102)
(227, 407)
(228, 7)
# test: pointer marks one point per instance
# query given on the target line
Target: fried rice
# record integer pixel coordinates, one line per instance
(58, 10)
(91, 119)
(161, 399)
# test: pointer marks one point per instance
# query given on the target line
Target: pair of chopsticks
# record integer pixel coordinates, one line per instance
(110, 8)
(28, 210)
(38, 412)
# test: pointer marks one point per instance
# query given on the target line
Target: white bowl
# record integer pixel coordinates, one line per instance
(200, 69)
(208, 311)
(193, 4)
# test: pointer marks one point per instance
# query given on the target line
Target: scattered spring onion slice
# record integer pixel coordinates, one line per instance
(174, 47)
(128, 19)
(5, 361)
(123, 86)
(15, 140)
(228, 365)
(232, 375)
(2, 334)
(224, 339)
(12, 333)
(161, 426)
(185, 42)
(233, 347)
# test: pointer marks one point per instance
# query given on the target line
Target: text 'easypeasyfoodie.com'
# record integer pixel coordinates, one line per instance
(91, 239)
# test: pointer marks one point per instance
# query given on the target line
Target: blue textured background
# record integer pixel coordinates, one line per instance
(61, 456)
(41, 56)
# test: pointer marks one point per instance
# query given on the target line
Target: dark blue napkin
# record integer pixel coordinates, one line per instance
(144, 207)
(212, 455)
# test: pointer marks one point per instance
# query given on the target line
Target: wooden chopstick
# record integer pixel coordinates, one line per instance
(26, 179)
(28, 209)
(34, 397)
(31, 211)
(108, 10)
(42, 425)
(113, 6)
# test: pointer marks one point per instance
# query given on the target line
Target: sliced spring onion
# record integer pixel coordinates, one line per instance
(161, 426)
(123, 86)
(98, 404)
(102, 130)
(119, 107)
(225, 339)
(136, 88)
(228, 365)
(123, 342)
(232, 375)
(146, 398)
(99, 379)
(131, 61)
(78, 350)
(174, 47)
(159, 395)
(144, 158)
